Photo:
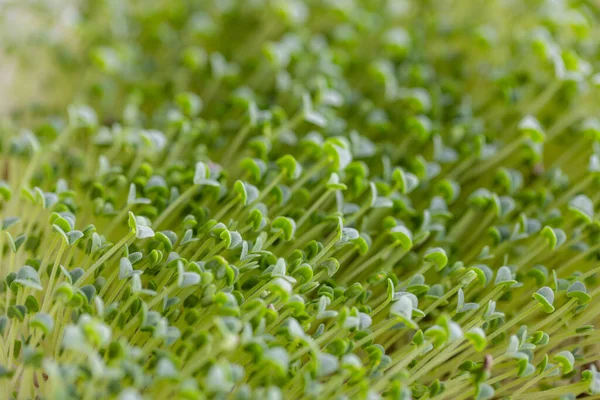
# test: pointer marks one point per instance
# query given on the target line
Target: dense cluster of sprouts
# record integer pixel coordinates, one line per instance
(285, 199)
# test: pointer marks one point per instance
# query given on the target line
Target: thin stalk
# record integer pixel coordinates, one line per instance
(181, 200)
(104, 258)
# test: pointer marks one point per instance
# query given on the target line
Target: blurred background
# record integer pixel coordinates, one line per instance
(51, 49)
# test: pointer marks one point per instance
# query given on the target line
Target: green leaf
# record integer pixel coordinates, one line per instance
(190, 103)
(140, 226)
(239, 188)
(476, 336)
(583, 207)
(389, 290)
(278, 357)
(5, 190)
(461, 306)
(204, 176)
(125, 268)
(27, 276)
(89, 291)
(290, 166)
(62, 223)
(73, 237)
(437, 256)
(334, 183)
(403, 235)
(285, 225)
(32, 304)
(327, 364)
(82, 116)
(9, 221)
(353, 290)
(43, 322)
(566, 360)
(338, 154)
(530, 127)
(310, 115)
(331, 266)
(578, 291)
(303, 273)
(402, 310)
(255, 168)
(545, 297)
(555, 236)
(16, 243)
(17, 312)
(504, 277)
